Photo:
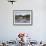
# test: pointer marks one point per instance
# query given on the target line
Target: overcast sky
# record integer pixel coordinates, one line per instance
(22, 12)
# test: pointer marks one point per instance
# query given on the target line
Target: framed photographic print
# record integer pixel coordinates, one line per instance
(22, 17)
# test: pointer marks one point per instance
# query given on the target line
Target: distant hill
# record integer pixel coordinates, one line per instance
(27, 16)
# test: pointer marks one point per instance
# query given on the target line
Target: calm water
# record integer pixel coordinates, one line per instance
(22, 21)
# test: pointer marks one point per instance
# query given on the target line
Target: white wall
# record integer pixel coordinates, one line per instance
(38, 30)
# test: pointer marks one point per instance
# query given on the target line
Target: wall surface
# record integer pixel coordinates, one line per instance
(37, 31)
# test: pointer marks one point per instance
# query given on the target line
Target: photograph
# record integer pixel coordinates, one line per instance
(22, 17)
